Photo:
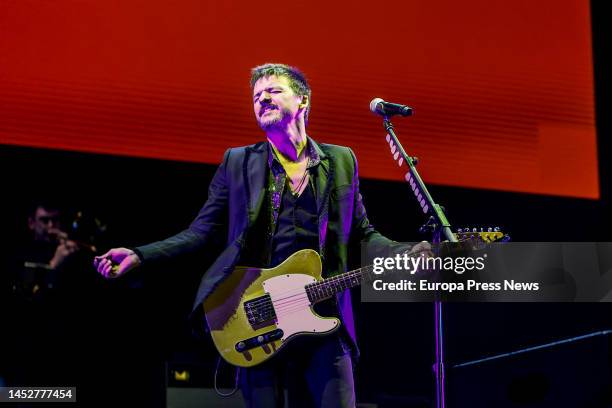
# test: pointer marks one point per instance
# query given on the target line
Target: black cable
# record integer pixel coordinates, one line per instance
(235, 384)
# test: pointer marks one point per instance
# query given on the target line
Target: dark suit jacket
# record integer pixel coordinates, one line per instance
(236, 196)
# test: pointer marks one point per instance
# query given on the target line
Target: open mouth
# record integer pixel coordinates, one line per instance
(266, 110)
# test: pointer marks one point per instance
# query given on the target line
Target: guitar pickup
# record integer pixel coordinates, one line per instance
(260, 340)
(260, 312)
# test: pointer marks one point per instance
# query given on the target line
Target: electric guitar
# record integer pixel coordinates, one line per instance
(255, 312)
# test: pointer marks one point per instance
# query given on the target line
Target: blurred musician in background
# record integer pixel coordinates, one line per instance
(48, 259)
(46, 275)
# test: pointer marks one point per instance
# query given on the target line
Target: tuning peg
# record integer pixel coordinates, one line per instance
(460, 230)
(393, 148)
(490, 229)
(388, 138)
(497, 229)
(400, 162)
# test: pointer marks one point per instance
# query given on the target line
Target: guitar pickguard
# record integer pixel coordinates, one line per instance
(292, 306)
(233, 316)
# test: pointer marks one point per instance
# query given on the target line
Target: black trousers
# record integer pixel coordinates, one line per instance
(310, 372)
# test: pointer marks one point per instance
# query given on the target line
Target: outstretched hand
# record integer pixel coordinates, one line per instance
(116, 262)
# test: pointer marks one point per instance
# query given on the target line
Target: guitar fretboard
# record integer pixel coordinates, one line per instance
(327, 288)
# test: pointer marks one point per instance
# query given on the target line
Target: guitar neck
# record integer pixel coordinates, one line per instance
(327, 288)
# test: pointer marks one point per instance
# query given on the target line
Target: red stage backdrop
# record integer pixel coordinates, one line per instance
(502, 90)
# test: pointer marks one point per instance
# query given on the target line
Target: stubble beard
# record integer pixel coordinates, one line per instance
(278, 120)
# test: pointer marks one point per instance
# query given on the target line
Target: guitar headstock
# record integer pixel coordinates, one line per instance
(485, 235)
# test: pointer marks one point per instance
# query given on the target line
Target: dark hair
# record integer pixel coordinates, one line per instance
(46, 204)
(297, 79)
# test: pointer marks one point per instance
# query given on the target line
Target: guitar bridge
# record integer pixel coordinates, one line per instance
(260, 311)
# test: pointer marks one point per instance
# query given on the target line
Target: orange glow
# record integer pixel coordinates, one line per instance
(502, 90)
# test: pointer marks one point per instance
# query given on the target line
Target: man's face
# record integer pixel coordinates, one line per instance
(275, 104)
(44, 224)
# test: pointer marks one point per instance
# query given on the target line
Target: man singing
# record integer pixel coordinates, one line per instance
(271, 199)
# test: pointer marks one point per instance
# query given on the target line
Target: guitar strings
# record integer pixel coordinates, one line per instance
(347, 277)
(281, 305)
(328, 287)
(322, 288)
(287, 306)
(264, 306)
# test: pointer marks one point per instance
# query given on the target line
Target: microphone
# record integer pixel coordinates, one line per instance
(380, 107)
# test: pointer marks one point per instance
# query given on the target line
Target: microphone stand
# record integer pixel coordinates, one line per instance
(439, 226)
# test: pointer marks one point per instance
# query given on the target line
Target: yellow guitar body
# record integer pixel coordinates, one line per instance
(254, 312)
